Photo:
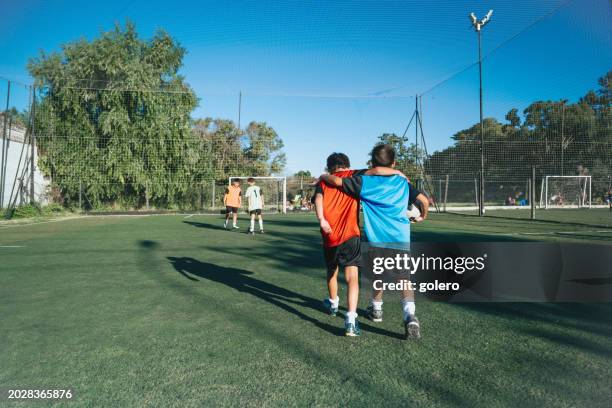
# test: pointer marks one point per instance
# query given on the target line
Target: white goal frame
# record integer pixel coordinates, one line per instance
(586, 193)
(283, 180)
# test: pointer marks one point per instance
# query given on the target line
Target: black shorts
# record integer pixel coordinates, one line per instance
(257, 211)
(346, 254)
(229, 210)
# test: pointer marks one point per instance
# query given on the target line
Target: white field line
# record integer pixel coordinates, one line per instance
(12, 246)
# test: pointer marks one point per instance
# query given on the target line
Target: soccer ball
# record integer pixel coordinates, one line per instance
(414, 214)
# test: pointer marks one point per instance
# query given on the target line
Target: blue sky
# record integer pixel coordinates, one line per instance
(333, 75)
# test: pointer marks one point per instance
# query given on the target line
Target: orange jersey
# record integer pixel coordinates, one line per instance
(232, 196)
(341, 212)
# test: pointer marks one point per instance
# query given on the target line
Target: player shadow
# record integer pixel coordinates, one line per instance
(204, 225)
(243, 281)
(537, 220)
(586, 317)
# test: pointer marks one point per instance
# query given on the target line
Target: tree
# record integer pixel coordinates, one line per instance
(114, 115)
(263, 150)
(513, 118)
(228, 151)
(303, 174)
(555, 136)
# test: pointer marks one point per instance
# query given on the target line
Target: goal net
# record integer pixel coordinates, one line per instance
(566, 192)
(273, 191)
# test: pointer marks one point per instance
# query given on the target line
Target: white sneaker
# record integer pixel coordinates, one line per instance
(236, 227)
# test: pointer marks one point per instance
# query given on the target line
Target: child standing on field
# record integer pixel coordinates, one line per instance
(255, 203)
(232, 201)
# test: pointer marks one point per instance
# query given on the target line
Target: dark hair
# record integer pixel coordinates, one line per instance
(383, 155)
(336, 161)
(250, 180)
(236, 180)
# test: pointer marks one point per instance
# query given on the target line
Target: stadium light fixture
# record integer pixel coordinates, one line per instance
(478, 24)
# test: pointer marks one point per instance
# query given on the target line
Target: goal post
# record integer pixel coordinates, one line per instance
(566, 192)
(273, 190)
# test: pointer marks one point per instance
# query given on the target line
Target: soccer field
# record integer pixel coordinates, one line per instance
(175, 311)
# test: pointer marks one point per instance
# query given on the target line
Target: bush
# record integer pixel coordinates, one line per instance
(33, 210)
(24, 211)
(52, 209)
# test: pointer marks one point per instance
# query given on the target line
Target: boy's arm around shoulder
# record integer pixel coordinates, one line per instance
(384, 171)
(331, 180)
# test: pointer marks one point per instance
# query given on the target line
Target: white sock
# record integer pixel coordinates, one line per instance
(261, 224)
(225, 223)
(335, 301)
(350, 317)
(408, 307)
(252, 225)
(376, 304)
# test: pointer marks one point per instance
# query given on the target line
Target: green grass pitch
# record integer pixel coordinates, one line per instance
(175, 311)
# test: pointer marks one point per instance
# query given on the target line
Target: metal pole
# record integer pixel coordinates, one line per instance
(284, 198)
(590, 190)
(445, 193)
(482, 187)
(239, 108)
(416, 128)
(213, 196)
(32, 142)
(546, 193)
(532, 185)
(147, 195)
(562, 135)
(2, 175)
(80, 195)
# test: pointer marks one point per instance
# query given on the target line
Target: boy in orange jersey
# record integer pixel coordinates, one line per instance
(232, 201)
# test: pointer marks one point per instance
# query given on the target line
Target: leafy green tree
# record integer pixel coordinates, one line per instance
(228, 151)
(114, 114)
(303, 173)
(263, 150)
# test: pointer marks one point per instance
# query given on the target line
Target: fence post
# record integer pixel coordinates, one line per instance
(147, 195)
(476, 194)
(532, 194)
(445, 192)
(80, 195)
(212, 204)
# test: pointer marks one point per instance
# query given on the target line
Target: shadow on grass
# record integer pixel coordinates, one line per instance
(243, 281)
(536, 221)
(593, 318)
(320, 358)
(204, 225)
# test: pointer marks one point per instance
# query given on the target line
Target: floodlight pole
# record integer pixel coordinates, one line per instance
(478, 24)
(239, 108)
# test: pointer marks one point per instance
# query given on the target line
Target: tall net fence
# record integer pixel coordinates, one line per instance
(117, 149)
(536, 119)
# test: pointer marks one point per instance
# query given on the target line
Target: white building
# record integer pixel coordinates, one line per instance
(17, 161)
